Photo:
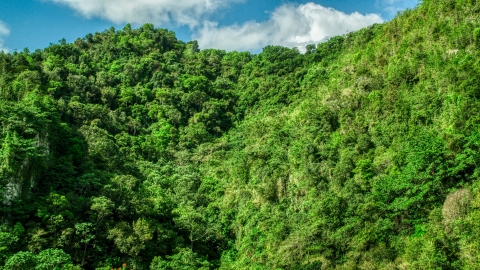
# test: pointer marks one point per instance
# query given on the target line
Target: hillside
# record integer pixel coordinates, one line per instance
(130, 147)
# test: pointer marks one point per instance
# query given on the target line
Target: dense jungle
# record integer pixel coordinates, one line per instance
(131, 149)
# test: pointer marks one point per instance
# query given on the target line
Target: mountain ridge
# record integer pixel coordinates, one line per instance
(132, 147)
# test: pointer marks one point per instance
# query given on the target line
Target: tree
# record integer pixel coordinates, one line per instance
(184, 259)
(53, 259)
(21, 260)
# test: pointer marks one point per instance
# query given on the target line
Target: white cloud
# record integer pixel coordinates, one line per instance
(159, 12)
(4, 31)
(289, 25)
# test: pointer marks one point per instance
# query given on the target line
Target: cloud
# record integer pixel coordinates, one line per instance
(159, 12)
(394, 6)
(4, 31)
(289, 25)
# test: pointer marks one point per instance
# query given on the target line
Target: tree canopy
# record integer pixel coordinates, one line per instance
(132, 149)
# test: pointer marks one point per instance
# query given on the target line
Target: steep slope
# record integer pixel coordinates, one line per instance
(133, 147)
(355, 171)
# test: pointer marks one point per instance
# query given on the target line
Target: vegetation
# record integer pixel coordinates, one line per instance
(133, 149)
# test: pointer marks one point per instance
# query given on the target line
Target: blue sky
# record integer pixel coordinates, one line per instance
(223, 24)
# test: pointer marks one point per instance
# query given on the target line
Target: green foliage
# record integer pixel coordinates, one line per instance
(476, 36)
(21, 260)
(47, 259)
(53, 259)
(184, 259)
(130, 147)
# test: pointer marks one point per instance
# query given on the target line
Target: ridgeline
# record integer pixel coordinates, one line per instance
(133, 149)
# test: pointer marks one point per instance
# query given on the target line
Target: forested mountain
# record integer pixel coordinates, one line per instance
(133, 149)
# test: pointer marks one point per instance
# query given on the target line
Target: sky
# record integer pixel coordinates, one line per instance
(242, 25)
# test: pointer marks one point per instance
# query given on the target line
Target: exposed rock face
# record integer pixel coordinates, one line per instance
(26, 175)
